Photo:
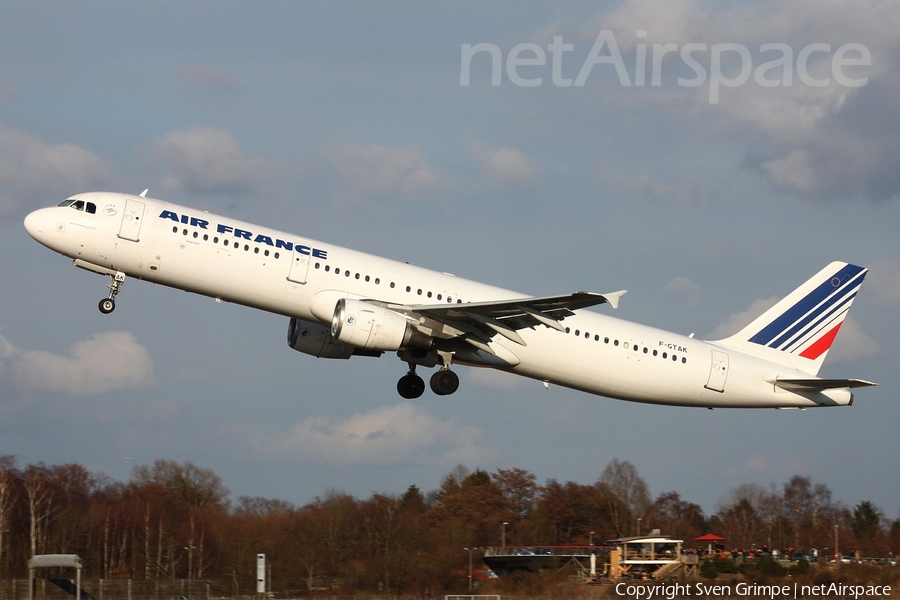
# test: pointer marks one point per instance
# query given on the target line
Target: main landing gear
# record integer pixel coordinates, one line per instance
(443, 382)
(411, 385)
(108, 304)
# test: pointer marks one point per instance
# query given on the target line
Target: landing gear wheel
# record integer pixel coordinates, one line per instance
(107, 305)
(444, 382)
(411, 386)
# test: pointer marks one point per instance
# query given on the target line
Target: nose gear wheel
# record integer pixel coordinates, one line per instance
(108, 304)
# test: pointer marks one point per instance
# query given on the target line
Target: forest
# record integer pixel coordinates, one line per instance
(176, 521)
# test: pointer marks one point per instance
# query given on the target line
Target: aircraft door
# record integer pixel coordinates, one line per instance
(299, 267)
(718, 371)
(131, 220)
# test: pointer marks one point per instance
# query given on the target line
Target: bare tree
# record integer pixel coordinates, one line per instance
(7, 498)
(622, 479)
(39, 495)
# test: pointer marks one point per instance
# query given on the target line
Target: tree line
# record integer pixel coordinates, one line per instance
(177, 521)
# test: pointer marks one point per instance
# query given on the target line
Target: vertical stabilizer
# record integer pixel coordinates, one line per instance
(800, 329)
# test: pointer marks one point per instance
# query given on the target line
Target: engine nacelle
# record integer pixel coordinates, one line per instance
(366, 325)
(312, 338)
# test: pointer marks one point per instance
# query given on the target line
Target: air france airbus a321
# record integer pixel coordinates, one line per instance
(344, 303)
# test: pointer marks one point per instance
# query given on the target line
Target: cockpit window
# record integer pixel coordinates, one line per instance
(81, 205)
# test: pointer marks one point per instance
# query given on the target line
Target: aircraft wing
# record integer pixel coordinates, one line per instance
(477, 322)
(818, 385)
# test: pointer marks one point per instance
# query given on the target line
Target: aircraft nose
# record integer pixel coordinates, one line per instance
(34, 225)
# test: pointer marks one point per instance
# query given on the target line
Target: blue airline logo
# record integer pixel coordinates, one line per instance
(244, 234)
(814, 316)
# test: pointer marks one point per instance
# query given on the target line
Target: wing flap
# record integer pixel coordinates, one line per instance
(478, 322)
(519, 313)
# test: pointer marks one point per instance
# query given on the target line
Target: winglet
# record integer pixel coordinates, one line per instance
(613, 297)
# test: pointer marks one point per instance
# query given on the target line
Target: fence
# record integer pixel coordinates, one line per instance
(125, 589)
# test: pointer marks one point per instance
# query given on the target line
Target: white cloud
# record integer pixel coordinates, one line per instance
(792, 171)
(503, 165)
(812, 141)
(401, 434)
(31, 167)
(498, 380)
(108, 362)
(378, 173)
(203, 75)
(852, 342)
(683, 287)
(738, 321)
(206, 160)
(685, 192)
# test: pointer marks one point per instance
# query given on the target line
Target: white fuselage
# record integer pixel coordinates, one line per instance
(299, 277)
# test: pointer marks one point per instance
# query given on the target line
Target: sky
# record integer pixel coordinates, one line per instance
(706, 156)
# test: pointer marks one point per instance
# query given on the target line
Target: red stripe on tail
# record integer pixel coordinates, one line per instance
(821, 346)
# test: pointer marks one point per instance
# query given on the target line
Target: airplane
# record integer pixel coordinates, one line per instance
(342, 303)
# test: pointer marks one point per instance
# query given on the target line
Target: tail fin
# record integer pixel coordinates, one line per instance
(799, 330)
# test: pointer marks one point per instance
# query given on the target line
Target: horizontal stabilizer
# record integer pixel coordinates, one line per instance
(818, 385)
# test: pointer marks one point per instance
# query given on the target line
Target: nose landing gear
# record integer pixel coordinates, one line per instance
(108, 304)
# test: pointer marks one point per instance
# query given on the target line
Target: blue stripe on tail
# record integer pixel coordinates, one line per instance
(822, 303)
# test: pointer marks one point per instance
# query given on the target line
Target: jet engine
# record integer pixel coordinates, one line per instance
(312, 338)
(373, 327)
